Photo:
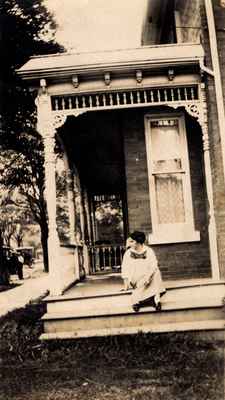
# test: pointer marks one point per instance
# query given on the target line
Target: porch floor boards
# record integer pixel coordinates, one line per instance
(98, 307)
(100, 285)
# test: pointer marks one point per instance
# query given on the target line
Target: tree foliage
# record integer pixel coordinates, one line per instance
(27, 29)
(14, 216)
(22, 170)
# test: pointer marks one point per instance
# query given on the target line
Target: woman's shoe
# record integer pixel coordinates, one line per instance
(136, 307)
(158, 306)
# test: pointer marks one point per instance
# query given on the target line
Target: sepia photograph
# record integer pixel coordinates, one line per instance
(112, 200)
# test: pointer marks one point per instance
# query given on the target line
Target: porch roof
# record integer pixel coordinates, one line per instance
(64, 64)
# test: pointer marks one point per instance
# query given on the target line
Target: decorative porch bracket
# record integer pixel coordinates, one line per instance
(59, 120)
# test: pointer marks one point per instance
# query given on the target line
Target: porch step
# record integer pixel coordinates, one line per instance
(76, 315)
(185, 295)
(124, 317)
(207, 325)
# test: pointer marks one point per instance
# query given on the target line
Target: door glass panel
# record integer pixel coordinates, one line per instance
(109, 219)
(165, 138)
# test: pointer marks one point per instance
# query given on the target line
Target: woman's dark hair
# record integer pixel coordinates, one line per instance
(139, 237)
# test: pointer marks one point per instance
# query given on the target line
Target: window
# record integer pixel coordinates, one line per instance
(169, 180)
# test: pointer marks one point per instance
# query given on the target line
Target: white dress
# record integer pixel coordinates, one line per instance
(139, 268)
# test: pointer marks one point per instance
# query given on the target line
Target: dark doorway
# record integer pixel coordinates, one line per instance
(94, 144)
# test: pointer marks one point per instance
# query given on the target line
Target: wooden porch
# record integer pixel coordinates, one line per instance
(98, 307)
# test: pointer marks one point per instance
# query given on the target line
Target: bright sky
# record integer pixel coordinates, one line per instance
(86, 25)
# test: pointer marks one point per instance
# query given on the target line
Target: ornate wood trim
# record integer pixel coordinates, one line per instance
(162, 95)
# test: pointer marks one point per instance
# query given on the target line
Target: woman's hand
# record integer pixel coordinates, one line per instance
(147, 283)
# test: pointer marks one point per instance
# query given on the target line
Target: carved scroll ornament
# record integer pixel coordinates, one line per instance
(59, 119)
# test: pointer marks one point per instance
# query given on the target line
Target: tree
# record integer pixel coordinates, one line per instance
(13, 212)
(9, 216)
(27, 29)
(23, 170)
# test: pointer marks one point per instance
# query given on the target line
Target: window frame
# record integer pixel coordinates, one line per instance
(176, 232)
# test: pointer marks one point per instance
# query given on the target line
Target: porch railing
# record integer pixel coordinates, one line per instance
(106, 258)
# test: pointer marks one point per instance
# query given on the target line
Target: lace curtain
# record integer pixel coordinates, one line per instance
(167, 171)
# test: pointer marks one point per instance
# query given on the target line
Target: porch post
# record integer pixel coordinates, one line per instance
(71, 201)
(87, 216)
(209, 189)
(46, 129)
(71, 206)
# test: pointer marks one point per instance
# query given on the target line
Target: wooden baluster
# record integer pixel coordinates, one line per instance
(121, 254)
(192, 94)
(114, 256)
(118, 99)
(93, 259)
(104, 100)
(107, 262)
(124, 98)
(70, 103)
(56, 104)
(104, 258)
(165, 94)
(145, 96)
(110, 256)
(98, 258)
(97, 100)
(185, 93)
(90, 102)
(131, 98)
(152, 96)
(172, 94)
(111, 99)
(138, 97)
(158, 96)
(63, 104)
(77, 102)
(117, 255)
(178, 94)
(83, 102)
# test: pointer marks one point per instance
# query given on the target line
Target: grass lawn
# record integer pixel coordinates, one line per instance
(139, 367)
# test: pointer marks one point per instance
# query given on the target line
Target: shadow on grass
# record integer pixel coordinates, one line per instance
(144, 366)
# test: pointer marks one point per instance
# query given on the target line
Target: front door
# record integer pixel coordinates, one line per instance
(108, 222)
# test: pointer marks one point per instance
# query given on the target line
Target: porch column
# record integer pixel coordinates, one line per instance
(70, 199)
(71, 207)
(209, 189)
(79, 222)
(87, 216)
(87, 233)
(46, 129)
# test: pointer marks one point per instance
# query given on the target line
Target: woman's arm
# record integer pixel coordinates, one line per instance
(152, 267)
(125, 270)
